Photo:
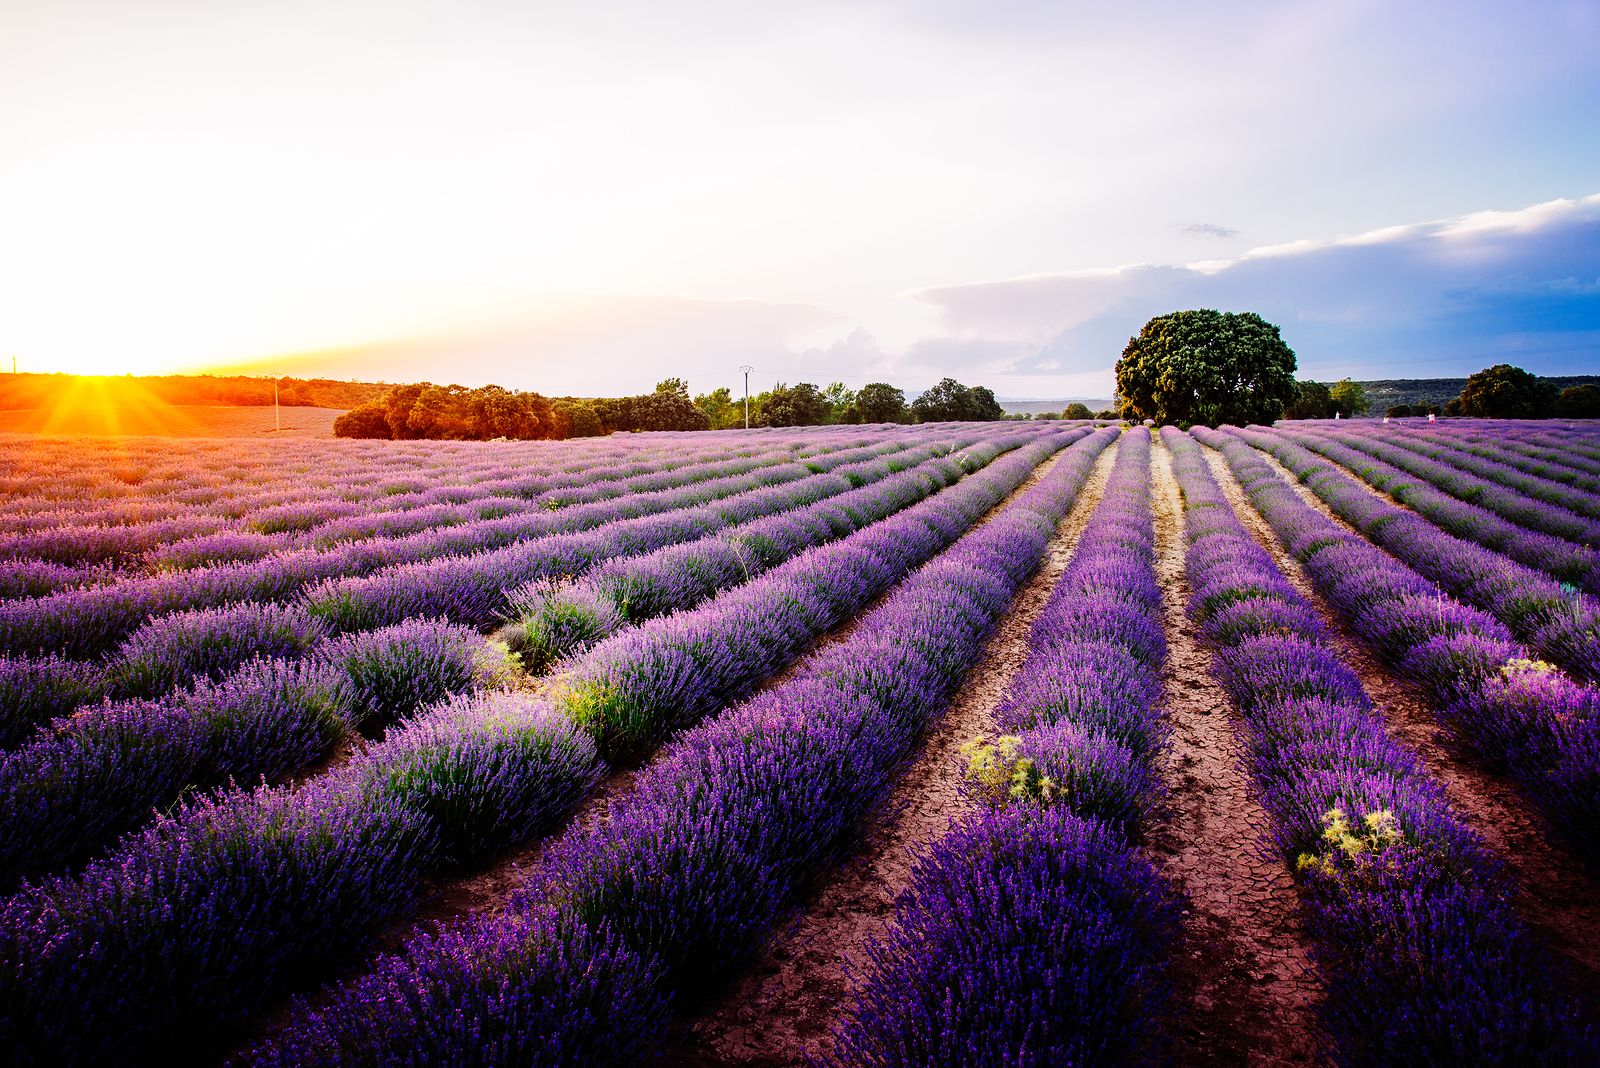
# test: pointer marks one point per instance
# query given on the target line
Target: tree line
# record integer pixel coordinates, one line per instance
(803, 404)
(1499, 392)
(460, 413)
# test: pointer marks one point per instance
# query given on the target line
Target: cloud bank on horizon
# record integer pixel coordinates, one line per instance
(1433, 299)
(1428, 300)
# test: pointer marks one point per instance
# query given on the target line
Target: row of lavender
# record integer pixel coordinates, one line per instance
(168, 648)
(1490, 473)
(66, 793)
(252, 574)
(89, 622)
(301, 491)
(298, 509)
(129, 479)
(1562, 457)
(631, 922)
(484, 522)
(1423, 958)
(1514, 712)
(1056, 933)
(305, 513)
(552, 621)
(1526, 457)
(1558, 621)
(189, 927)
(1489, 515)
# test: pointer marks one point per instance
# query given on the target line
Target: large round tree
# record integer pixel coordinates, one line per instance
(1505, 392)
(1208, 367)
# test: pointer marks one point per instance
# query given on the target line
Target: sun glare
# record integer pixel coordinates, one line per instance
(113, 406)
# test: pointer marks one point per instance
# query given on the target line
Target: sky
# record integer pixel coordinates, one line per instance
(586, 198)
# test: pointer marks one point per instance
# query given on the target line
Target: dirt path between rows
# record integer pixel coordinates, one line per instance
(1246, 989)
(788, 1003)
(486, 890)
(1555, 893)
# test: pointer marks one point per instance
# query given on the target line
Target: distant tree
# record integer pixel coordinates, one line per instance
(439, 412)
(950, 401)
(673, 385)
(1206, 366)
(1348, 398)
(397, 404)
(1579, 402)
(367, 421)
(879, 402)
(983, 405)
(574, 419)
(841, 399)
(1505, 392)
(722, 411)
(1077, 410)
(1311, 401)
(453, 413)
(500, 413)
(1106, 413)
(668, 410)
(944, 402)
(799, 405)
(1400, 411)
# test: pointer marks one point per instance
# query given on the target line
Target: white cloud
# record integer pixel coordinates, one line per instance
(1416, 300)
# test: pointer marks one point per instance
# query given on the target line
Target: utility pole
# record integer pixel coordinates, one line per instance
(746, 368)
(277, 417)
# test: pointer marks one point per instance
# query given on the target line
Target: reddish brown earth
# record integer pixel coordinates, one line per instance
(487, 889)
(1556, 894)
(789, 1001)
(1246, 987)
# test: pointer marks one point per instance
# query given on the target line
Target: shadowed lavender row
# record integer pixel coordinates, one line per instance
(1423, 957)
(1561, 623)
(1515, 713)
(1570, 473)
(671, 895)
(1034, 934)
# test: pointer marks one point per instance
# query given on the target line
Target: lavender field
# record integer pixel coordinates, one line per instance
(1007, 743)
